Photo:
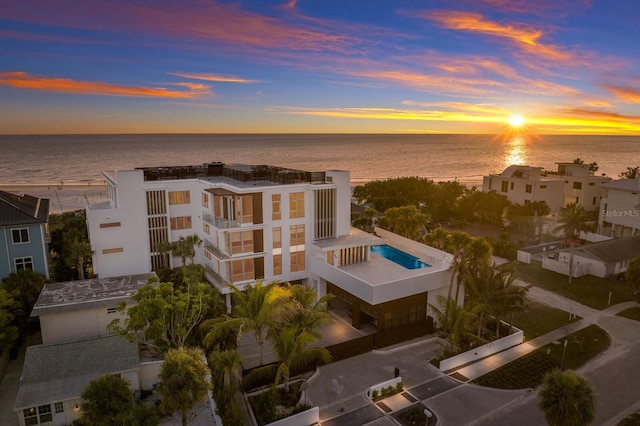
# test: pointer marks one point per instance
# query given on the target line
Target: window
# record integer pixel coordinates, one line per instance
(181, 222)
(297, 261)
(543, 186)
(490, 182)
(33, 416)
(113, 250)
(109, 311)
(242, 270)
(527, 189)
(205, 199)
(206, 228)
(505, 186)
(110, 225)
(275, 207)
(527, 202)
(20, 236)
(594, 201)
(296, 235)
(511, 185)
(24, 263)
(592, 183)
(277, 264)
(577, 185)
(59, 407)
(277, 237)
(296, 205)
(179, 197)
(240, 242)
(245, 209)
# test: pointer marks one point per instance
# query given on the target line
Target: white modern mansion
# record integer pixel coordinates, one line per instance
(272, 224)
(620, 210)
(571, 183)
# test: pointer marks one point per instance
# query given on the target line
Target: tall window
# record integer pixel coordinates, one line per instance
(505, 186)
(242, 270)
(277, 264)
(59, 406)
(527, 189)
(20, 236)
(297, 261)
(275, 207)
(245, 209)
(296, 235)
(24, 263)
(577, 185)
(206, 228)
(296, 205)
(181, 222)
(240, 242)
(179, 197)
(205, 199)
(277, 237)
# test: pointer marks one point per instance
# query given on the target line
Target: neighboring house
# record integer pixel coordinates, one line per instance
(265, 223)
(24, 237)
(571, 183)
(620, 209)
(524, 184)
(78, 348)
(598, 259)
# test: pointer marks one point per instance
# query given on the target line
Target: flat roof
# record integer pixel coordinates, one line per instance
(632, 185)
(95, 292)
(355, 238)
(58, 372)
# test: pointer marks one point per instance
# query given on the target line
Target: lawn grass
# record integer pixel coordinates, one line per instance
(631, 313)
(588, 290)
(528, 371)
(632, 420)
(538, 319)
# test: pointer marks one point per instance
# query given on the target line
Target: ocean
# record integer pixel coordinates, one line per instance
(76, 159)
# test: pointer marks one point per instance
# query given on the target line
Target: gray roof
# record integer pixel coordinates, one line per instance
(85, 294)
(632, 185)
(613, 251)
(58, 372)
(22, 209)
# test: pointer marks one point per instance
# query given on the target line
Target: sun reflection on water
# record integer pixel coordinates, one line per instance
(515, 151)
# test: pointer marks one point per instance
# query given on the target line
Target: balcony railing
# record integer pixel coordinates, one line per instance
(208, 244)
(219, 222)
(216, 276)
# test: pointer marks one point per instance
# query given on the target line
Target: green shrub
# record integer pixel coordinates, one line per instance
(399, 387)
(375, 394)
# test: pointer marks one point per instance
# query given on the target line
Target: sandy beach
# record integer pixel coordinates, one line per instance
(63, 196)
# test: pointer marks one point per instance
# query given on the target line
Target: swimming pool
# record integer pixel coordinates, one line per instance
(398, 256)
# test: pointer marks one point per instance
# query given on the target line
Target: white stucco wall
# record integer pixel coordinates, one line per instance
(75, 325)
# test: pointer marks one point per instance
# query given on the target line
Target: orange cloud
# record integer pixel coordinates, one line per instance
(601, 114)
(23, 80)
(213, 77)
(538, 7)
(626, 94)
(528, 39)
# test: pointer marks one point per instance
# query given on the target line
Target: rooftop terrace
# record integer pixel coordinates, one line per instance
(238, 172)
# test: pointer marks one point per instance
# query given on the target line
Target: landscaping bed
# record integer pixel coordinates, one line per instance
(414, 416)
(528, 371)
(631, 313)
(274, 404)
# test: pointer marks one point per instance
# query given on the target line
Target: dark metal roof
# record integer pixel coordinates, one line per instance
(22, 209)
(614, 251)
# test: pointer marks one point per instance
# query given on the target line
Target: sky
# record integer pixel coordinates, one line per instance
(310, 66)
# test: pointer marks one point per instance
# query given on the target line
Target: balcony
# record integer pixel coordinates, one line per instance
(223, 282)
(219, 222)
(215, 250)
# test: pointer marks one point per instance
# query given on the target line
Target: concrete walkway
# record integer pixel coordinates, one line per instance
(589, 316)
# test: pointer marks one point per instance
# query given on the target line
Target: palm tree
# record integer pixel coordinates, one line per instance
(164, 248)
(185, 248)
(291, 348)
(574, 219)
(406, 221)
(220, 334)
(567, 399)
(183, 380)
(309, 312)
(257, 308)
(631, 173)
(229, 362)
(77, 250)
(106, 400)
(457, 244)
(453, 317)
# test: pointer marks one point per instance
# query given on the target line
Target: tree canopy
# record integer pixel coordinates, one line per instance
(567, 399)
(165, 314)
(69, 246)
(106, 400)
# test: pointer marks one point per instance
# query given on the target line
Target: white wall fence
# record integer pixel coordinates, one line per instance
(524, 257)
(579, 269)
(483, 351)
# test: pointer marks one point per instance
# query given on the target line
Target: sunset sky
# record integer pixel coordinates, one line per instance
(349, 66)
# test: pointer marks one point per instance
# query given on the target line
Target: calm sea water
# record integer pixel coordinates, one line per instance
(75, 158)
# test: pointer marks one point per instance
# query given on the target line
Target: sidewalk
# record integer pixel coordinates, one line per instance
(589, 316)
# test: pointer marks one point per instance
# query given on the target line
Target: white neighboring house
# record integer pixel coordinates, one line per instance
(570, 183)
(620, 209)
(266, 223)
(599, 259)
(78, 348)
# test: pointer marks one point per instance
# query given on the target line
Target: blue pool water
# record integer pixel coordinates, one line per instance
(398, 256)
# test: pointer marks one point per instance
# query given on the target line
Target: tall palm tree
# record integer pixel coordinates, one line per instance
(257, 308)
(291, 348)
(406, 221)
(76, 251)
(573, 219)
(567, 399)
(457, 243)
(185, 248)
(183, 380)
(631, 172)
(230, 363)
(164, 248)
(453, 317)
(308, 313)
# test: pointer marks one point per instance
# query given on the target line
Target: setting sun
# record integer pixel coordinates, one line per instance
(516, 120)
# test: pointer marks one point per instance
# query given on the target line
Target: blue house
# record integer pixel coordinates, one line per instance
(24, 239)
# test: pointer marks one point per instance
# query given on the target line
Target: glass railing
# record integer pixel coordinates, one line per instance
(208, 244)
(216, 276)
